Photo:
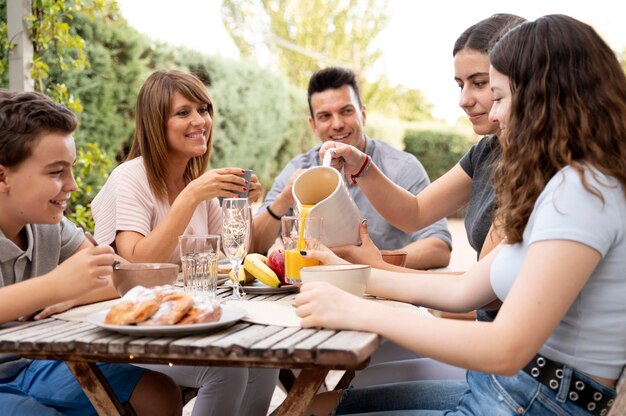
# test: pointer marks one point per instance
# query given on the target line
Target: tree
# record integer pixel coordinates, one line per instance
(303, 36)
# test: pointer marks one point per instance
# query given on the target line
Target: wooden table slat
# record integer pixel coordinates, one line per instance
(139, 345)
(67, 341)
(200, 347)
(285, 347)
(15, 326)
(87, 342)
(306, 350)
(241, 346)
(347, 347)
(224, 345)
(261, 348)
(32, 332)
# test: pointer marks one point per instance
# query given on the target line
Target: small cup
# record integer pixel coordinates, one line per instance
(395, 257)
(352, 278)
(246, 175)
(298, 236)
(198, 257)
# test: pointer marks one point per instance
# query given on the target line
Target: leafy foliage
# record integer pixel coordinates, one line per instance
(438, 150)
(302, 36)
(91, 170)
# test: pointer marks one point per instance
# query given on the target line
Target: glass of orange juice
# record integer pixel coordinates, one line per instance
(299, 233)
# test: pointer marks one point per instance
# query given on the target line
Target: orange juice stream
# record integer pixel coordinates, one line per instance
(293, 260)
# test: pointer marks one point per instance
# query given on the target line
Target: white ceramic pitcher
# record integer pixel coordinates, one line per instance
(324, 187)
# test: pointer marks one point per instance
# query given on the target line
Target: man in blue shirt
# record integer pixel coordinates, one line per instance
(336, 113)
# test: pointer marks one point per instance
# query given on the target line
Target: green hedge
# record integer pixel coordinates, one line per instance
(438, 150)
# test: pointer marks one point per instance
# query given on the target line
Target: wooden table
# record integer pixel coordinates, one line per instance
(81, 345)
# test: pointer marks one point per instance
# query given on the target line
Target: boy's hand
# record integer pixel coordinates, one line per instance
(54, 309)
(86, 270)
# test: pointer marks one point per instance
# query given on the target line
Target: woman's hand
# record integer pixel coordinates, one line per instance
(324, 255)
(255, 189)
(344, 156)
(321, 304)
(223, 182)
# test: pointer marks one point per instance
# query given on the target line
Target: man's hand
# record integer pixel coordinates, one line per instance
(285, 198)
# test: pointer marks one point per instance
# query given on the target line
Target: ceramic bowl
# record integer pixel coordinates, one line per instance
(352, 278)
(395, 257)
(128, 275)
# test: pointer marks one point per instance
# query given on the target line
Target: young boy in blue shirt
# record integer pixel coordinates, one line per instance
(46, 262)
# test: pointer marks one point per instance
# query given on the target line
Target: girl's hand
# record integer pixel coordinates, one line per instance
(324, 255)
(321, 304)
(344, 156)
(366, 253)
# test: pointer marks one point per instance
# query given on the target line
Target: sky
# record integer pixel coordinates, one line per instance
(416, 44)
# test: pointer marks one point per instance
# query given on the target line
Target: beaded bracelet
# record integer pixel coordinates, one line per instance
(362, 171)
(272, 214)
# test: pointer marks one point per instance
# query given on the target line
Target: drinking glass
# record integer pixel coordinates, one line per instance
(299, 234)
(235, 236)
(198, 258)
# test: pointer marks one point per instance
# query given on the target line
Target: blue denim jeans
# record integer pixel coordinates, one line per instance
(48, 388)
(483, 394)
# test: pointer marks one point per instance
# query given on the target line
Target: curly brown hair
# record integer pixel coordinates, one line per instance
(568, 107)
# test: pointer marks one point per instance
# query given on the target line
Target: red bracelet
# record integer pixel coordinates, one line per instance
(361, 171)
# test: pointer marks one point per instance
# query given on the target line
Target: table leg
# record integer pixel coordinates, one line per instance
(344, 383)
(97, 389)
(298, 398)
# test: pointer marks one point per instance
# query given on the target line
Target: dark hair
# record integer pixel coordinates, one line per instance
(484, 34)
(568, 108)
(151, 114)
(332, 78)
(24, 118)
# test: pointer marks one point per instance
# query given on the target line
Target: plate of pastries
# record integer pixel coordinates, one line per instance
(164, 310)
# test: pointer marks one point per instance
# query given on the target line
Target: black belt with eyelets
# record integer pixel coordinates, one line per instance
(550, 373)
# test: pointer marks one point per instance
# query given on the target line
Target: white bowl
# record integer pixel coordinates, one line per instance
(352, 278)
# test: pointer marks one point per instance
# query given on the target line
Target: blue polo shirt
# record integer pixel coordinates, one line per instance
(48, 246)
(400, 167)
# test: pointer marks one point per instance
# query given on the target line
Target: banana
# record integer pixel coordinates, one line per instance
(244, 276)
(256, 265)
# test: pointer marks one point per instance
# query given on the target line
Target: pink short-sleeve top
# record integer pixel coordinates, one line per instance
(126, 203)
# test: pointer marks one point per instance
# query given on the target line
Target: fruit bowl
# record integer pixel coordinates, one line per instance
(128, 275)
